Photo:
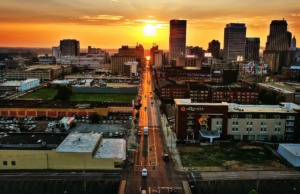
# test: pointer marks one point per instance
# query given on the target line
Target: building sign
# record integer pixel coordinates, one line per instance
(191, 108)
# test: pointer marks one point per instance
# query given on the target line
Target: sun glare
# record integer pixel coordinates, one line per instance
(149, 30)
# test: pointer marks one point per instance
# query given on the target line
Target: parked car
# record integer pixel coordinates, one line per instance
(144, 172)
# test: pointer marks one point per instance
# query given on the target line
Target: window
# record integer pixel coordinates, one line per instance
(13, 163)
(235, 116)
(289, 123)
(4, 163)
(276, 116)
(277, 124)
(263, 130)
(263, 124)
(234, 129)
(249, 123)
(262, 116)
(249, 129)
(248, 116)
(277, 130)
(290, 118)
(235, 123)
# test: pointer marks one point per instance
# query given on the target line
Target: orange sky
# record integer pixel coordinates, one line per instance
(112, 23)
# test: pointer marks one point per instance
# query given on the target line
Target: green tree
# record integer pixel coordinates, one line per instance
(253, 191)
(268, 98)
(280, 98)
(63, 93)
(95, 117)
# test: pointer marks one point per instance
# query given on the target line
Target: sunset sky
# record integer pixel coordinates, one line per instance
(112, 23)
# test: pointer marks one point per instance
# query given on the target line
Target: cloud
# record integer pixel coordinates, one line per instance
(101, 17)
(295, 14)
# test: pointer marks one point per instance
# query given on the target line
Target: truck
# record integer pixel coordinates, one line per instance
(145, 130)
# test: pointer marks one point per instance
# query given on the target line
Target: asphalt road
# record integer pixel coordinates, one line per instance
(161, 175)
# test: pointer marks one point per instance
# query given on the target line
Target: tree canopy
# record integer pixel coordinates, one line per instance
(63, 93)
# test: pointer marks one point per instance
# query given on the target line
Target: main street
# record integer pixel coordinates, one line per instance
(161, 176)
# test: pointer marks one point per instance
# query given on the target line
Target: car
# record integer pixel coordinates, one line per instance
(139, 133)
(144, 192)
(144, 172)
(166, 157)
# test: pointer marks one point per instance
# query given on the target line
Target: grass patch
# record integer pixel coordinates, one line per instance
(41, 94)
(103, 97)
(49, 93)
(227, 156)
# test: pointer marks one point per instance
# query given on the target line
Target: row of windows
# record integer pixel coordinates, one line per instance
(262, 116)
(5, 163)
(249, 129)
(250, 123)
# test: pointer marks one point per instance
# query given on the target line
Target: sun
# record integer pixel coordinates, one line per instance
(149, 30)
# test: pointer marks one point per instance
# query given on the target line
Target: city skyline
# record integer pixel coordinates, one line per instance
(111, 23)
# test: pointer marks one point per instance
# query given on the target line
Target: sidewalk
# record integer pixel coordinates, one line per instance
(170, 140)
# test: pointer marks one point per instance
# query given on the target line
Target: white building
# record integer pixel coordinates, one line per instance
(131, 68)
(158, 58)
(291, 152)
(29, 84)
(66, 122)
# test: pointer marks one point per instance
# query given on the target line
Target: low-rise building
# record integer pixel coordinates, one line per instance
(55, 109)
(29, 84)
(195, 121)
(42, 72)
(78, 151)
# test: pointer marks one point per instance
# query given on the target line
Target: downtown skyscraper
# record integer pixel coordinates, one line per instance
(177, 41)
(252, 49)
(69, 47)
(279, 41)
(234, 41)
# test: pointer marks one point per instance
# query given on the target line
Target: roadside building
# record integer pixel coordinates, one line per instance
(195, 121)
(288, 90)
(291, 152)
(42, 72)
(78, 151)
(29, 84)
(55, 109)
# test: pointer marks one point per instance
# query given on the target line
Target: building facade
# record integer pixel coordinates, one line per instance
(278, 42)
(199, 121)
(214, 48)
(234, 41)
(42, 72)
(69, 47)
(252, 49)
(177, 39)
(118, 62)
(190, 62)
(29, 84)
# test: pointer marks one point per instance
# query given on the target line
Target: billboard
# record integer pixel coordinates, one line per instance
(254, 68)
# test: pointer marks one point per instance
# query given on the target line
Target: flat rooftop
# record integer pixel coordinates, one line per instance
(259, 108)
(292, 148)
(31, 138)
(111, 148)
(189, 102)
(278, 89)
(11, 83)
(79, 143)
